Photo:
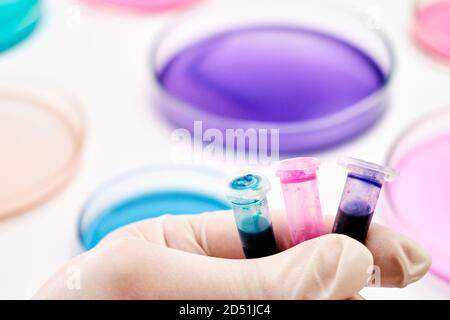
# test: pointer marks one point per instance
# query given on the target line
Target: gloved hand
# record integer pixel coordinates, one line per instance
(200, 257)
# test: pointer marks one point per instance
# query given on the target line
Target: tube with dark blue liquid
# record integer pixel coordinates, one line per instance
(247, 194)
(360, 196)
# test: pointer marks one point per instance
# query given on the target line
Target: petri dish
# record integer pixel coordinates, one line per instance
(142, 6)
(432, 27)
(19, 19)
(149, 193)
(316, 71)
(42, 136)
(417, 202)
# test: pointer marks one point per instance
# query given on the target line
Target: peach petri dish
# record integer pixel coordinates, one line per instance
(41, 140)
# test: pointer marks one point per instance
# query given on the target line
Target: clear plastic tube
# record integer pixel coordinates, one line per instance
(301, 197)
(360, 196)
(247, 194)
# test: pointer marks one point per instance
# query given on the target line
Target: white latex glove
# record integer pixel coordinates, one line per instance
(200, 257)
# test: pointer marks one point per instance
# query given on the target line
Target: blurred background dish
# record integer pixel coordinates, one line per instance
(418, 201)
(18, 19)
(432, 27)
(315, 70)
(142, 5)
(149, 193)
(41, 141)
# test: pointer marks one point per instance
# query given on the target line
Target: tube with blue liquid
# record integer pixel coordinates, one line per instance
(247, 194)
(360, 196)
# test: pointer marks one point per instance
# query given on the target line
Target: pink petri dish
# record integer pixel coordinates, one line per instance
(41, 140)
(142, 6)
(417, 202)
(432, 27)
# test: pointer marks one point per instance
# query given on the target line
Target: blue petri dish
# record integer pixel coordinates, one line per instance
(146, 194)
(19, 19)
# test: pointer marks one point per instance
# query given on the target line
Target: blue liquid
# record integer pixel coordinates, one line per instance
(18, 19)
(147, 206)
(249, 181)
(257, 237)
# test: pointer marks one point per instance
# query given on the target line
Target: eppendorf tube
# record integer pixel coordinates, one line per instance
(301, 197)
(247, 194)
(360, 196)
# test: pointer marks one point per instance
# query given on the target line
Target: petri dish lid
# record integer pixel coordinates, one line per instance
(417, 202)
(142, 5)
(41, 140)
(18, 19)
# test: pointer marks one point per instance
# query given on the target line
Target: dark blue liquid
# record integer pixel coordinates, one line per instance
(145, 206)
(354, 220)
(257, 237)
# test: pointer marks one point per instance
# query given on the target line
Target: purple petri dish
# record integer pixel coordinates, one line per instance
(315, 71)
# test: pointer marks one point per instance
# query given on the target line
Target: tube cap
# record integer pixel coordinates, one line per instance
(352, 164)
(247, 186)
(297, 169)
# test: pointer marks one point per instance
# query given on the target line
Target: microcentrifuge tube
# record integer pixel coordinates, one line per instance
(247, 194)
(301, 197)
(360, 196)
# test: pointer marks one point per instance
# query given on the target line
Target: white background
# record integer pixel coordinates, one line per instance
(103, 59)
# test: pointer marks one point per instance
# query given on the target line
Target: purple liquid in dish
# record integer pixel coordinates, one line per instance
(275, 75)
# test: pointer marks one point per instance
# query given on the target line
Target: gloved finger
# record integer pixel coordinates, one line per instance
(329, 267)
(398, 260)
(213, 234)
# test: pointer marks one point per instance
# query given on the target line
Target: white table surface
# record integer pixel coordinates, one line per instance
(102, 58)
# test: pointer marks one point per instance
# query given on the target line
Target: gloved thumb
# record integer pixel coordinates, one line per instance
(329, 267)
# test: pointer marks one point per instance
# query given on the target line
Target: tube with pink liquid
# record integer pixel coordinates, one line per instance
(301, 197)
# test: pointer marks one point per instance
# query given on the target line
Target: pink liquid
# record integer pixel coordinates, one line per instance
(301, 197)
(421, 197)
(432, 29)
